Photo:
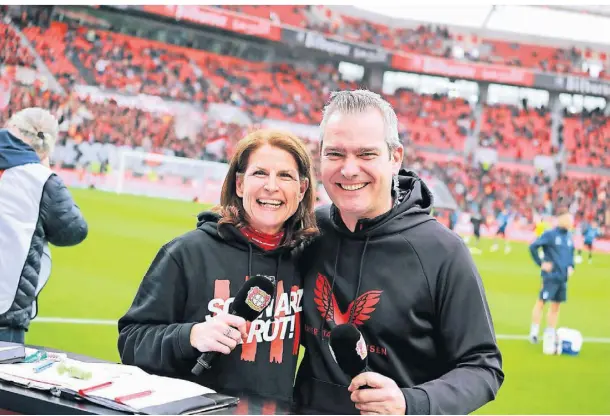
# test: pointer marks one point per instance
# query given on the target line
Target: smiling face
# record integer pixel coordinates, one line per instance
(270, 188)
(357, 166)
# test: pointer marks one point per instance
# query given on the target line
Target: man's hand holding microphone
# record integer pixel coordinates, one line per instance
(382, 397)
(222, 333)
(372, 393)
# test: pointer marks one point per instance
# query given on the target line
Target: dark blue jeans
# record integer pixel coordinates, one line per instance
(12, 335)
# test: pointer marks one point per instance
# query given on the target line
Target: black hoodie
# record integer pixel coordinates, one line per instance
(417, 299)
(189, 280)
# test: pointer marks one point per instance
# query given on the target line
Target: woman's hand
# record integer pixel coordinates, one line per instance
(221, 333)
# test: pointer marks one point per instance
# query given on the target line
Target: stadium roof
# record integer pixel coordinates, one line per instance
(583, 24)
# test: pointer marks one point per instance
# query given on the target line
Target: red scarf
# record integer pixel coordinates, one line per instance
(265, 241)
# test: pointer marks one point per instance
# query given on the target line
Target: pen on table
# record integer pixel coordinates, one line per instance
(123, 399)
(84, 391)
(43, 367)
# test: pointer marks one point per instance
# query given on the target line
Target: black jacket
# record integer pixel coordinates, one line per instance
(418, 301)
(60, 222)
(192, 278)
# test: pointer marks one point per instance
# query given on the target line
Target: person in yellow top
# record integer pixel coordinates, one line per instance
(541, 226)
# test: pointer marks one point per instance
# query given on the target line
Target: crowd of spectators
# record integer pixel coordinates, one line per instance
(586, 137)
(474, 187)
(283, 91)
(11, 50)
(435, 40)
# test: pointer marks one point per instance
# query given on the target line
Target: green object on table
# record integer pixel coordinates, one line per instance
(37, 356)
(74, 371)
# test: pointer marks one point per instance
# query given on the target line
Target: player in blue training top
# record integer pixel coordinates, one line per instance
(503, 220)
(590, 233)
(558, 265)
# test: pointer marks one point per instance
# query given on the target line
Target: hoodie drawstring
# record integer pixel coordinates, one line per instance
(351, 313)
(332, 286)
(277, 277)
(249, 260)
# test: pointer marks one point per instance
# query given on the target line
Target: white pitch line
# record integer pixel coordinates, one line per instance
(75, 321)
(108, 322)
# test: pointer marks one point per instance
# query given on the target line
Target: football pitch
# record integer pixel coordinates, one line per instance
(93, 284)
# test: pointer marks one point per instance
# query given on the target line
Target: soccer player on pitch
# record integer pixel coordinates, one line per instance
(590, 233)
(503, 220)
(477, 219)
(557, 267)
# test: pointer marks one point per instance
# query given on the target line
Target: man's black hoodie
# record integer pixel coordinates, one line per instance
(410, 286)
(194, 277)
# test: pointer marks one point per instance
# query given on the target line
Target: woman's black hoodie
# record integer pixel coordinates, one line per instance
(191, 279)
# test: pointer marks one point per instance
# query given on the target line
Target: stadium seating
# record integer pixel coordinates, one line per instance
(587, 138)
(516, 133)
(285, 92)
(11, 50)
(51, 45)
(431, 40)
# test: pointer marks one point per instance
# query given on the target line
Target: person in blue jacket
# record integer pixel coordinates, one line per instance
(558, 265)
(590, 233)
(503, 219)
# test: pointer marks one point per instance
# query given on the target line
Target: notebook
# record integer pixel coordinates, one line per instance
(116, 386)
(11, 353)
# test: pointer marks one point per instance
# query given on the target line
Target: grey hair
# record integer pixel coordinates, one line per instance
(358, 101)
(36, 126)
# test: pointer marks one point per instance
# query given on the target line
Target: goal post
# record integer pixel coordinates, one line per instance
(166, 176)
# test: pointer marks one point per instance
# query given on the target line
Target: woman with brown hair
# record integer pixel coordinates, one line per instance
(181, 309)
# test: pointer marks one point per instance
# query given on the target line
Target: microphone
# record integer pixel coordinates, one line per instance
(348, 349)
(250, 301)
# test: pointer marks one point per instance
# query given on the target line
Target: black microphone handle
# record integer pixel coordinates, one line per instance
(365, 370)
(204, 362)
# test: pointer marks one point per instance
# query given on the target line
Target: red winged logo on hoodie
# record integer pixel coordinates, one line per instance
(362, 307)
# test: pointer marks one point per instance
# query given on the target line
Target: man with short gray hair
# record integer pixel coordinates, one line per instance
(384, 265)
(36, 208)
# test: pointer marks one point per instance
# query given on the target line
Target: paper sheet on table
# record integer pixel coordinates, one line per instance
(164, 390)
(101, 373)
(125, 380)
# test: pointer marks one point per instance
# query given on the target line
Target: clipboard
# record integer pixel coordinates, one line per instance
(193, 405)
(119, 387)
(190, 406)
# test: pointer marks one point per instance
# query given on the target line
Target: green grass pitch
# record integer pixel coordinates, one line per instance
(98, 279)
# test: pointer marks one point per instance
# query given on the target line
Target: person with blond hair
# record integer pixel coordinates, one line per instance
(266, 213)
(36, 209)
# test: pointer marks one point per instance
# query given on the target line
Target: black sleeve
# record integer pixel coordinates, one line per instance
(467, 336)
(151, 334)
(63, 222)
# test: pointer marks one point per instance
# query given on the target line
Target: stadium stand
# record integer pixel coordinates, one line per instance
(434, 40)
(11, 50)
(434, 127)
(519, 133)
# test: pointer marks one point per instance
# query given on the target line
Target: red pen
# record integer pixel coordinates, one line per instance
(123, 399)
(82, 392)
